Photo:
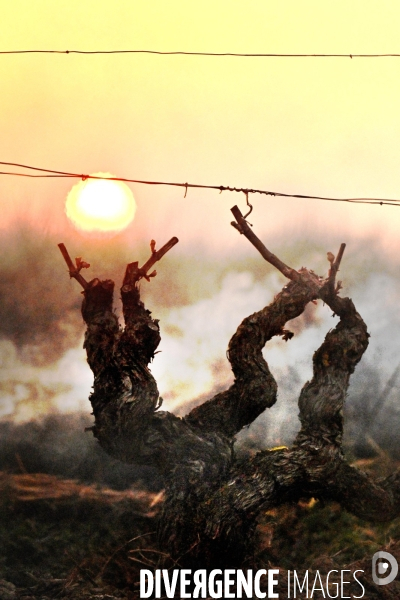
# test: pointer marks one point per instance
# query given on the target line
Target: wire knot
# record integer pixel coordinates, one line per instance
(246, 193)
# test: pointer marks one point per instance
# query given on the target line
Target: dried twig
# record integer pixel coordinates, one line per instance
(109, 559)
(134, 273)
(73, 270)
(335, 264)
(243, 228)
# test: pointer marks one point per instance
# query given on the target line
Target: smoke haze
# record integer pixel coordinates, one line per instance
(200, 303)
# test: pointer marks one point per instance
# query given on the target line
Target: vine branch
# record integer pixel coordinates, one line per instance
(243, 228)
(74, 269)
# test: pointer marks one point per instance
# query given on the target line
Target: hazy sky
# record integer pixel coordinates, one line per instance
(318, 126)
(303, 125)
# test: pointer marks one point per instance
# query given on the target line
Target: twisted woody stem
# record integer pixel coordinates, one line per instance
(314, 466)
(212, 500)
(125, 394)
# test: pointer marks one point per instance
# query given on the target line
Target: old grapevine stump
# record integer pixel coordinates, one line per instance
(212, 500)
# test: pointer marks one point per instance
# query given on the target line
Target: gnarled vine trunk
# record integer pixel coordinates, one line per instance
(212, 499)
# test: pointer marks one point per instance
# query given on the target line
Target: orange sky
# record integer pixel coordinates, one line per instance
(319, 126)
(322, 126)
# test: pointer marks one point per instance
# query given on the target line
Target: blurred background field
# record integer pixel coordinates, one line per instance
(76, 524)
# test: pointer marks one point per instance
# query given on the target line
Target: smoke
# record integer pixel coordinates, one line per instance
(57, 444)
(38, 314)
(29, 391)
(195, 337)
(42, 364)
(200, 304)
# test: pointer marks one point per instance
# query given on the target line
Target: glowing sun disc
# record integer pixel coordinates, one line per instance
(100, 204)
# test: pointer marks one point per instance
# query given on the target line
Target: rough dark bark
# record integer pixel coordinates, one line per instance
(212, 499)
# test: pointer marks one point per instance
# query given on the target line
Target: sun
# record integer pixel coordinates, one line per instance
(100, 205)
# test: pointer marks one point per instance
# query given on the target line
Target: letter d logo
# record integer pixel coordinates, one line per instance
(380, 568)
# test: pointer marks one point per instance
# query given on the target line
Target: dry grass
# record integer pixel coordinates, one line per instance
(63, 539)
